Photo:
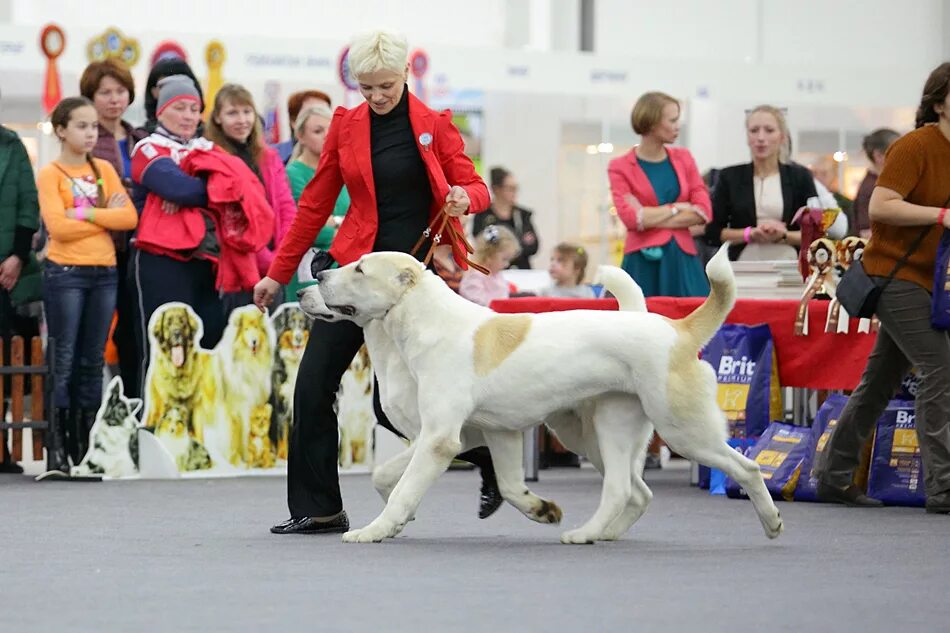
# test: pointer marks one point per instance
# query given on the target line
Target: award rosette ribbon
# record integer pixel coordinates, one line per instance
(113, 44)
(845, 250)
(821, 261)
(168, 49)
(814, 222)
(849, 251)
(419, 65)
(346, 78)
(214, 58)
(52, 43)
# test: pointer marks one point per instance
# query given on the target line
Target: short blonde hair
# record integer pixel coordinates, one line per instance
(379, 50)
(648, 111)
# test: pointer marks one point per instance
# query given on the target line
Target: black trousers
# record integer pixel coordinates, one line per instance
(157, 280)
(130, 362)
(313, 482)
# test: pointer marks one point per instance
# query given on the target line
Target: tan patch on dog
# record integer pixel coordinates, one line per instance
(497, 338)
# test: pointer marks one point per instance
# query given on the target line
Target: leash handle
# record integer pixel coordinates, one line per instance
(435, 230)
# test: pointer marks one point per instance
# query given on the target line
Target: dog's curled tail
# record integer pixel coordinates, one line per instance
(622, 286)
(700, 326)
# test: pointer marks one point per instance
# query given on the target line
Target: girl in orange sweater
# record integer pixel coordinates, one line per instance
(81, 200)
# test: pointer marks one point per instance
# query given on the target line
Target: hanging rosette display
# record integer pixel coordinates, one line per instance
(419, 65)
(350, 87)
(113, 44)
(214, 58)
(52, 43)
(821, 262)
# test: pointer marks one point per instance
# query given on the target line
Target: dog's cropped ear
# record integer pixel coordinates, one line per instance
(134, 405)
(409, 276)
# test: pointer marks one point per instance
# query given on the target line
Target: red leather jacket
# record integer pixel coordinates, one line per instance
(347, 160)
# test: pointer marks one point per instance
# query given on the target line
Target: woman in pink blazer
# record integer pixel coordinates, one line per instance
(235, 126)
(659, 194)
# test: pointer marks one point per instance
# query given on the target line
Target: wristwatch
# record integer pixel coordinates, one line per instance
(674, 209)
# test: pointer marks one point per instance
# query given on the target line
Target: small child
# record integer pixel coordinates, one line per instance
(495, 247)
(567, 269)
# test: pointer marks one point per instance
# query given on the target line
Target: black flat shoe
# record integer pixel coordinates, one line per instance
(850, 496)
(10, 467)
(490, 500)
(313, 525)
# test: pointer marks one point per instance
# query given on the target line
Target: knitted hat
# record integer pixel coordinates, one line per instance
(176, 88)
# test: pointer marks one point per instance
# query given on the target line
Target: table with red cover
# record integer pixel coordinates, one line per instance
(815, 361)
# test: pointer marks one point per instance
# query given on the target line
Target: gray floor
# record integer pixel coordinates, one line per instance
(196, 556)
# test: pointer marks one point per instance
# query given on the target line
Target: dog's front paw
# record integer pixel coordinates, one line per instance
(577, 537)
(372, 533)
(547, 512)
(363, 535)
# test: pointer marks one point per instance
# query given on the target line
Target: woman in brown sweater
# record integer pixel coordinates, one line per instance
(912, 192)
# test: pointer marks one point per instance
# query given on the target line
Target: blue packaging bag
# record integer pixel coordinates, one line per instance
(909, 386)
(743, 358)
(779, 453)
(940, 301)
(897, 476)
(714, 478)
(824, 424)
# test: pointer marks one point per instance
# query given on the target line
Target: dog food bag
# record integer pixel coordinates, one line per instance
(715, 479)
(747, 372)
(779, 453)
(821, 430)
(897, 474)
(909, 386)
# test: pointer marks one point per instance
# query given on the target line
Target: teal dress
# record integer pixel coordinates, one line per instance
(300, 174)
(665, 271)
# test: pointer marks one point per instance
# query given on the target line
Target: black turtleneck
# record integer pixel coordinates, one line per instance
(403, 192)
(246, 154)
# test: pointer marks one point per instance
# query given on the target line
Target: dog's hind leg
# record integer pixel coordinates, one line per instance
(574, 430)
(611, 422)
(387, 475)
(507, 452)
(640, 493)
(718, 454)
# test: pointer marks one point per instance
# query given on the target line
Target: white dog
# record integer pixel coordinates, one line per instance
(479, 372)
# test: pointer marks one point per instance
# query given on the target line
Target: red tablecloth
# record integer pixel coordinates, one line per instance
(816, 361)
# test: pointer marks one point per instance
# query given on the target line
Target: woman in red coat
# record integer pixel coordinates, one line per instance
(402, 164)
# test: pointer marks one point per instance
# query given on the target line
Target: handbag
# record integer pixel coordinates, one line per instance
(858, 293)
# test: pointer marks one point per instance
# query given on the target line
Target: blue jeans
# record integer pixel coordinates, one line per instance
(79, 302)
